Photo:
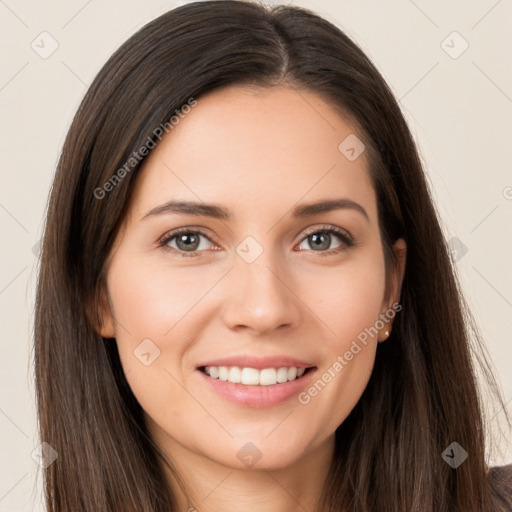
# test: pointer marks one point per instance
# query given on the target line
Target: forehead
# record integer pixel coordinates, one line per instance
(248, 148)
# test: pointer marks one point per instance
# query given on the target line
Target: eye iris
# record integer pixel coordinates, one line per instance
(317, 236)
(189, 246)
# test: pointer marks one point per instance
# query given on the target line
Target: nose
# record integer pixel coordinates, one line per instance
(260, 296)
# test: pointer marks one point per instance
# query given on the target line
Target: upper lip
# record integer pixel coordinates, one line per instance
(258, 362)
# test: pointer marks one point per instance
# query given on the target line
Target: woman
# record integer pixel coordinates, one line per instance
(245, 299)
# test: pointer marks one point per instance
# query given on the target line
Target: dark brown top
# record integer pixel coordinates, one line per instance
(500, 478)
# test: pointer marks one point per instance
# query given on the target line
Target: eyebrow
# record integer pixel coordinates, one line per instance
(218, 212)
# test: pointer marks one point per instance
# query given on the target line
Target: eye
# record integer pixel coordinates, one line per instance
(321, 239)
(186, 241)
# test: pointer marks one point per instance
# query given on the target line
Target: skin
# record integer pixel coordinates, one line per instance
(258, 153)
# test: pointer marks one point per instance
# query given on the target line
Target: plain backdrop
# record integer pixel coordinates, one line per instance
(448, 63)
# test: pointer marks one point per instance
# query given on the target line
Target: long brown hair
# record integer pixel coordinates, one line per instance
(423, 393)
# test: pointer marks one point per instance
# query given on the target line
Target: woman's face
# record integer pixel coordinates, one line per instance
(257, 289)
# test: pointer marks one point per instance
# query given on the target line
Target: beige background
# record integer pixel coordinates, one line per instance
(459, 109)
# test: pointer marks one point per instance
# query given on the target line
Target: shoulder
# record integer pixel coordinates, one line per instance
(500, 484)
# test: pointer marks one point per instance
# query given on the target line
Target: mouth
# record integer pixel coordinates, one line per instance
(256, 387)
(248, 376)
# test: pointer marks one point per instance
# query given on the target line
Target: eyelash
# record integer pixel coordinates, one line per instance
(347, 240)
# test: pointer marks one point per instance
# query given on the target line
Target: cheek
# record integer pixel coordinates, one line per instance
(150, 299)
(349, 303)
(150, 306)
(153, 301)
(349, 300)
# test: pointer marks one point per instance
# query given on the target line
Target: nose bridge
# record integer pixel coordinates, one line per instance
(260, 294)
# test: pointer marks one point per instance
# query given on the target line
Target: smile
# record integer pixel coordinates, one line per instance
(256, 388)
(253, 376)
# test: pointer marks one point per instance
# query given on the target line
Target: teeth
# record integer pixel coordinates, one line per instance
(250, 377)
(254, 377)
(235, 374)
(282, 375)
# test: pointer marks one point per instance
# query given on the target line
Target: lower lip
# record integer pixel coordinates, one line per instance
(258, 396)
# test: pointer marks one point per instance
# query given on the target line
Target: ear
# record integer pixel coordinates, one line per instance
(397, 277)
(105, 325)
(395, 285)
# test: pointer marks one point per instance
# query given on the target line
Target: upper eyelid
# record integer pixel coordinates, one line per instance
(175, 232)
(326, 227)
